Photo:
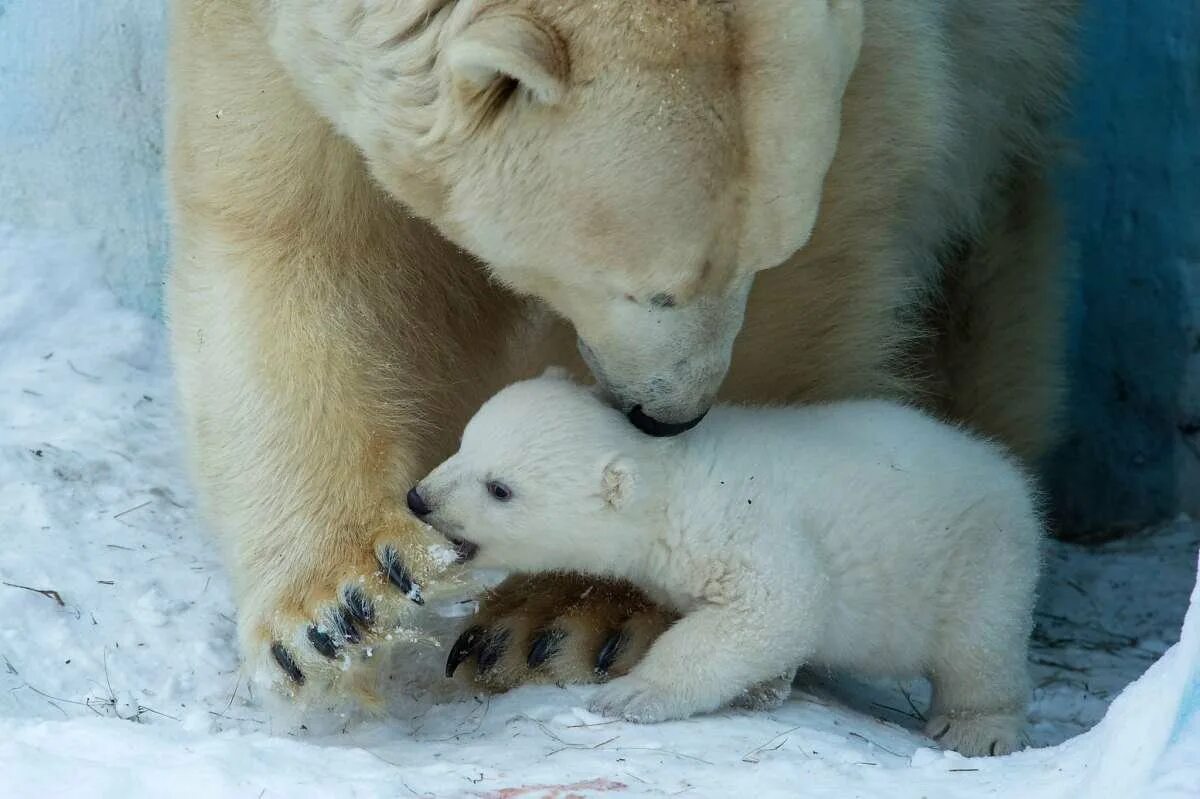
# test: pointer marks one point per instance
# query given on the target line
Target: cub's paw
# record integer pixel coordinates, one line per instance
(329, 626)
(976, 734)
(635, 699)
(766, 695)
(556, 629)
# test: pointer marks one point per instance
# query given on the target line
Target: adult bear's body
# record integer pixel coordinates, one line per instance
(330, 344)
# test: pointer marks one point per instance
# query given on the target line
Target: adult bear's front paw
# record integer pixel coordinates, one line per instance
(323, 626)
(556, 629)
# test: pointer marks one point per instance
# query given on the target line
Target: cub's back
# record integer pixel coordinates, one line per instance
(880, 474)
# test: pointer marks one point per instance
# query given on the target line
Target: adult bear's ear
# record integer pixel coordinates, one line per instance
(797, 60)
(507, 43)
(617, 481)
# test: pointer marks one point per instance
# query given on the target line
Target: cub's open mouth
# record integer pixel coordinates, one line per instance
(463, 548)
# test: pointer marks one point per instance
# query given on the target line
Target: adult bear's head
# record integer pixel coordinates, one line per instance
(633, 163)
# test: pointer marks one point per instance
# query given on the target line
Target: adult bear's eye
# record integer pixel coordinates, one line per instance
(499, 491)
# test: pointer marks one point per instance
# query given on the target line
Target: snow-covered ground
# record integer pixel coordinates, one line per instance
(118, 674)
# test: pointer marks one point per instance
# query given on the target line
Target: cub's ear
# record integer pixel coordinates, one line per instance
(511, 43)
(617, 481)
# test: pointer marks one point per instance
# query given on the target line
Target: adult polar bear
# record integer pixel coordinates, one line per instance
(346, 176)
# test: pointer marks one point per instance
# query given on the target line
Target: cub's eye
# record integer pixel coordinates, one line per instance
(499, 491)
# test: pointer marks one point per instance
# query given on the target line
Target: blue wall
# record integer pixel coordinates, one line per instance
(81, 94)
(1132, 449)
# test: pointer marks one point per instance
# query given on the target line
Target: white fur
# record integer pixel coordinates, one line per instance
(859, 535)
(329, 344)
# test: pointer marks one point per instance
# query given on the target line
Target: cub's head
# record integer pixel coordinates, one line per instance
(546, 478)
(632, 163)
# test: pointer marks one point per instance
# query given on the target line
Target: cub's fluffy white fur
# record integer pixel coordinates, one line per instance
(858, 535)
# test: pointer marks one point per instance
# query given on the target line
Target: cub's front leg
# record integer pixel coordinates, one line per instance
(712, 657)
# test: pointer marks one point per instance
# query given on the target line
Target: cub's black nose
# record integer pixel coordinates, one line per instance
(652, 427)
(416, 503)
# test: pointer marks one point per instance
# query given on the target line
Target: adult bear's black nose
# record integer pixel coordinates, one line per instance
(651, 426)
(417, 503)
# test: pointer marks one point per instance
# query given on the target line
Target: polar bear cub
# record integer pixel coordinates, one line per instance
(860, 535)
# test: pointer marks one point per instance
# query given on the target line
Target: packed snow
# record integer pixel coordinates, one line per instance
(120, 674)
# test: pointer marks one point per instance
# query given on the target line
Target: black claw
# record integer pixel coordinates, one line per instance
(398, 575)
(545, 646)
(322, 642)
(358, 606)
(609, 652)
(284, 659)
(344, 620)
(492, 650)
(467, 643)
(941, 734)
